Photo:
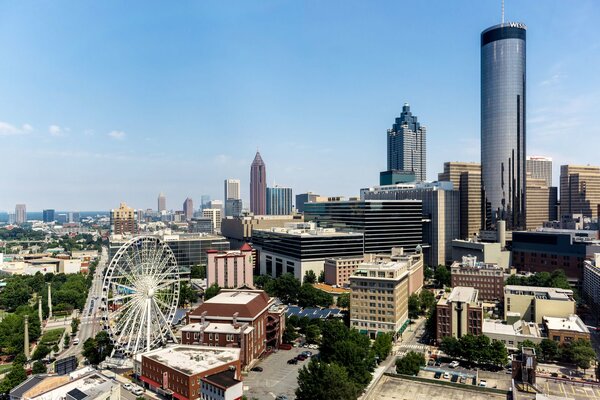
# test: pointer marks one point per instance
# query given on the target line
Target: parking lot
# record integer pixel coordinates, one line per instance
(573, 390)
(278, 377)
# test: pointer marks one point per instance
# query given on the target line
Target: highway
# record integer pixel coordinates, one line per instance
(90, 316)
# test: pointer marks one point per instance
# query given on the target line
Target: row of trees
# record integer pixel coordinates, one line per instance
(289, 290)
(347, 360)
(12, 329)
(418, 304)
(579, 352)
(556, 279)
(96, 349)
(410, 364)
(476, 349)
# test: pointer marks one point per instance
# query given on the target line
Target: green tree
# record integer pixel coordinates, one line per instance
(414, 306)
(187, 294)
(98, 348)
(427, 300)
(16, 376)
(343, 300)
(211, 291)
(289, 334)
(442, 276)
(310, 277)
(427, 273)
(450, 346)
(382, 346)
(322, 277)
(198, 271)
(266, 283)
(40, 352)
(499, 353)
(38, 368)
(410, 364)
(286, 288)
(549, 349)
(309, 296)
(312, 334)
(66, 341)
(319, 380)
(15, 294)
(74, 325)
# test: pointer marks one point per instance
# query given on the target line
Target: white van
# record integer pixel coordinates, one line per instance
(76, 341)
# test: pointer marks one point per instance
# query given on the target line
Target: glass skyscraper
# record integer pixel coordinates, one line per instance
(503, 79)
(279, 200)
(406, 145)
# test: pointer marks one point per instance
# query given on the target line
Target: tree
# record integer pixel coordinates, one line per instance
(266, 283)
(319, 380)
(414, 306)
(442, 275)
(581, 353)
(322, 277)
(15, 294)
(289, 334)
(310, 277)
(211, 291)
(66, 341)
(16, 375)
(382, 346)
(74, 325)
(40, 352)
(427, 273)
(98, 348)
(309, 296)
(187, 294)
(198, 271)
(343, 300)
(312, 333)
(286, 288)
(549, 349)
(410, 364)
(499, 353)
(450, 346)
(427, 300)
(39, 368)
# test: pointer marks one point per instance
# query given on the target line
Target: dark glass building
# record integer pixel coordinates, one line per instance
(48, 215)
(258, 186)
(503, 81)
(384, 223)
(407, 145)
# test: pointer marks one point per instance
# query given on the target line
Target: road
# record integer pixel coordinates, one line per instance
(90, 322)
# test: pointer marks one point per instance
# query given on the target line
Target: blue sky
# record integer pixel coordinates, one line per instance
(111, 101)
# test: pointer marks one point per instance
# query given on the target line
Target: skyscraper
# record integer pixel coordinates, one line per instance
(258, 186)
(279, 200)
(48, 215)
(579, 190)
(204, 200)
(162, 202)
(503, 75)
(188, 208)
(406, 145)
(232, 197)
(540, 168)
(123, 220)
(20, 214)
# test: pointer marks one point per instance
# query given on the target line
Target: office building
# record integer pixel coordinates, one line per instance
(488, 279)
(566, 329)
(485, 252)
(466, 178)
(503, 137)
(193, 372)
(302, 247)
(230, 269)
(441, 206)
(538, 203)
(550, 249)
(540, 167)
(579, 190)
(591, 283)
(339, 269)
(162, 202)
(233, 207)
(204, 201)
(242, 318)
(20, 214)
(188, 209)
(48, 215)
(201, 225)
(279, 200)
(395, 176)
(513, 334)
(215, 215)
(123, 220)
(407, 145)
(217, 204)
(532, 303)
(384, 223)
(305, 198)
(380, 292)
(232, 189)
(238, 230)
(258, 186)
(459, 313)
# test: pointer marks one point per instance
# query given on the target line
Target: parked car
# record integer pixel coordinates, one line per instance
(437, 364)
(454, 364)
(307, 353)
(281, 397)
(292, 361)
(301, 357)
(76, 341)
(437, 375)
(446, 375)
(137, 391)
(127, 386)
(483, 383)
(257, 369)
(313, 346)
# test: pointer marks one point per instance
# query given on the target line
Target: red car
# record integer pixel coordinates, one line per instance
(301, 357)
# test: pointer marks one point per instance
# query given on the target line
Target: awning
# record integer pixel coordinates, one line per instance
(363, 331)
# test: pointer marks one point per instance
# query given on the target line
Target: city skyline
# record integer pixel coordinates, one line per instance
(78, 118)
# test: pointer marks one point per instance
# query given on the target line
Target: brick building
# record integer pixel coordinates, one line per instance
(338, 269)
(193, 372)
(459, 313)
(488, 279)
(244, 319)
(566, 330)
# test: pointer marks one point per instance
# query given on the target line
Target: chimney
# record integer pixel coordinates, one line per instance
(26, 336)
(235, 317)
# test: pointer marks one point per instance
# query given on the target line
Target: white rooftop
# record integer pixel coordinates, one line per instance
(215, 327)
(92, 384)
(571, 323)
(463, 294)
(192, 360)
(548, 293)
(522, 328)
(233, 297)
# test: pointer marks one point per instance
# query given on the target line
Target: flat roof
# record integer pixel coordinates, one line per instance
(547, 293)
(233, 297)
(572, 323)
(192, 360)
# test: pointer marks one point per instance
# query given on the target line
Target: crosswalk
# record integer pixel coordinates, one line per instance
(406, 348)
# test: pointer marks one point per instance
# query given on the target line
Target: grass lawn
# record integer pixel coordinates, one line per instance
(5, 368)
(52, 336)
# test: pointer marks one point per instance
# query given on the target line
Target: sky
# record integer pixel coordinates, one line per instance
(103, 102)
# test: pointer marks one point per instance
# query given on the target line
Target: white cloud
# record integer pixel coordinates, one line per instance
(118, 135)
(7, 129)
(56, 131)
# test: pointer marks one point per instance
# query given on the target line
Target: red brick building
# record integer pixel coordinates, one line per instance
(241, 318)
(459, 313)
(488, 279)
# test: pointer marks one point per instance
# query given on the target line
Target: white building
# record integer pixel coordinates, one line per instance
(591, 282)
(215, 214)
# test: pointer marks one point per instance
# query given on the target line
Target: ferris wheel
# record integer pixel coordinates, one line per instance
(140, 293)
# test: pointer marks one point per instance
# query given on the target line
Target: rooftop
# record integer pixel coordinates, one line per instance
(306, 229)
(330, 289)
(233, 297)
(214, 327)
(193, 360)
(460, 294)
(247, 304)
(521, 328)
(542, 293)
(223, 380)
(572, 323)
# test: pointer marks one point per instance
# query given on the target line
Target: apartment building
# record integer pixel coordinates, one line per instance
(459, 313)
(488, 279)
(532, 303)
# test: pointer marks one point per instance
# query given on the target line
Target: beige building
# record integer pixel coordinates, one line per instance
(513, 335)
(567, 329)
(466, 178)
(537, 203)
(238, 230)
(579, 190)
(123, 220)
(215, 216)
(380, 291)
(459, 313)
(534, 303)
(339, 269)
(486, 252)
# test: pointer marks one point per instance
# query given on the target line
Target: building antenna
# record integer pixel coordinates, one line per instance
(502, 11)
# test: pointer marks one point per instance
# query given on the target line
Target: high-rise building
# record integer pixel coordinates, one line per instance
(48, 215)
(540, 167)
(466, 178)
(385, 223)
(233, 207)
(215, 214)
(162, 202)
(232, 189)
(123, 220)
(537, 203)
(279, 200)
(305, 198)
(503, 75)
(579, 190)
(204, 201)
(188, 208)
(258, 186)
(230, 269)
(441, 206)
(406, 145)
(20, 214)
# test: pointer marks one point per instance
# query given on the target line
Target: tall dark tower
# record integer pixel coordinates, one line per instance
(503, 81)
(407, 145)
(258, 186)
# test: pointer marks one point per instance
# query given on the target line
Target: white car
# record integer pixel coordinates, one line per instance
(446, 375)
(127, 386)
(483, 383)
(137, 391)
(454, 364)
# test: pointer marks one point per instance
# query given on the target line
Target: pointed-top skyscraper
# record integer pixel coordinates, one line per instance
(258, 186)
(162, 202)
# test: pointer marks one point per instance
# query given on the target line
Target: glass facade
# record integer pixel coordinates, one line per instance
(503, 81)
(279, 201)
(407, 145)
